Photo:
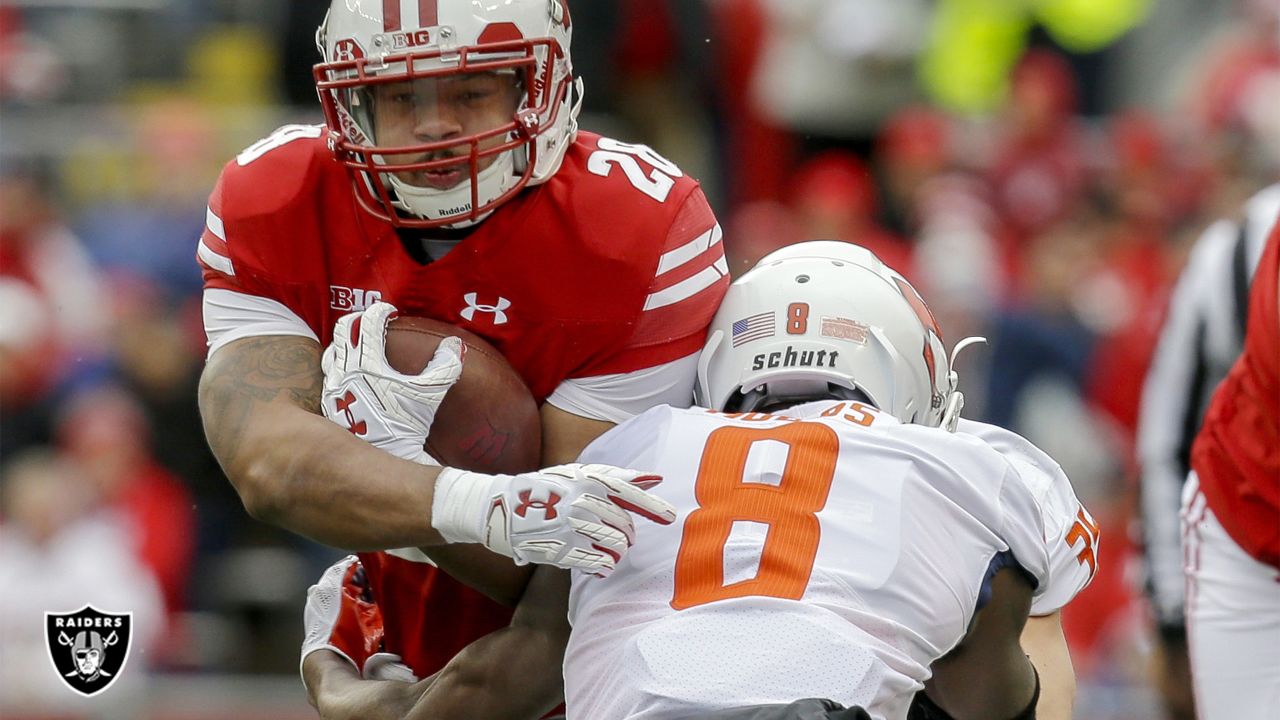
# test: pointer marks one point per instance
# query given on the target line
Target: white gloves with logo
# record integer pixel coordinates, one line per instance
(341, 616)
(571, 516)
(364, 394)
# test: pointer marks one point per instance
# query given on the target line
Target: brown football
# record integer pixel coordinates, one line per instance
(488, 421)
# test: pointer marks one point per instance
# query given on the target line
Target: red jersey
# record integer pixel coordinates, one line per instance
(614, 265)
(1237, 453)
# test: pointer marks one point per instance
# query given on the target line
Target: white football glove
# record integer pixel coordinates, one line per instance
(341, 617)
(571, 516)
(365, 395)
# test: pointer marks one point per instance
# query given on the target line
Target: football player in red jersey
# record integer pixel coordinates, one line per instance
(451, 181)
(1231, 521)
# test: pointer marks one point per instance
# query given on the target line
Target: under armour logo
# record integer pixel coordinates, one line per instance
(343, 405)
(346, 50)
(548, 506)
(473, 306)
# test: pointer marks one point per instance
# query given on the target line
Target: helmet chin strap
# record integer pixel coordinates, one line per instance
(427, 202)
(955, 398)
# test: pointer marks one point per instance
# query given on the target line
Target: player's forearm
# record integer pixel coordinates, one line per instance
(313, 478)
(493, 679)
(483, 570)
(565, 435)
(259, 399)
(513, 673)
(1044, 643)
(988, 676)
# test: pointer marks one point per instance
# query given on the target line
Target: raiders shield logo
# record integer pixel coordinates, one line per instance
(88, 647)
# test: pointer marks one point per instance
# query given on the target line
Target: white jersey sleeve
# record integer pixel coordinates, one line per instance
(1070, 532)
(621, 396)
(231, 316)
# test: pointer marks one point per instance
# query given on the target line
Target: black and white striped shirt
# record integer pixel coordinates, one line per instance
(1202, 337)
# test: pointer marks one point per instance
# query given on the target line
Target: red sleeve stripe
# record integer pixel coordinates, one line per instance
(701, 259)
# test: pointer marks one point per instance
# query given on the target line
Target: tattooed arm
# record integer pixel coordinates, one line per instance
(260, 401)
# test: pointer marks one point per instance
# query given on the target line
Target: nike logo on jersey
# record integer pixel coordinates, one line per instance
(795, 358)
(345, 299)
(474, 306)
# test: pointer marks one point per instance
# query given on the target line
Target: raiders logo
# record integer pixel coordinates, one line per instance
(88, 648)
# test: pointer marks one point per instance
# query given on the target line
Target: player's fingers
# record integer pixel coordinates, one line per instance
(330, 359)
(632, 498)
(380, 312)
(446, 364)
(342, 328)
(590, 561)
(637, 478)
(608, 513)
(388, 666)
(552, 552)
(324, 599)
(568, 471)
(372, 329)
(545, 551)
(646, 482)
(334, 360)
(337, 574)
(603, 537)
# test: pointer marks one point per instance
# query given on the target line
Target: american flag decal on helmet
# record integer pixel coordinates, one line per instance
(753, 327)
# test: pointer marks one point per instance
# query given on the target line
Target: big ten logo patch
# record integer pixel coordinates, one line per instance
(346, 299)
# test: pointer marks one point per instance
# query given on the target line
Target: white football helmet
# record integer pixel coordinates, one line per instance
(827, 319)
(367, 43)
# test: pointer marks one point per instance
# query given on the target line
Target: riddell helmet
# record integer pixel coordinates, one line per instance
(827, 319)
(367, 43)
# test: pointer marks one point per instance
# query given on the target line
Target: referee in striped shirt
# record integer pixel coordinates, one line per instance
(1202, 336)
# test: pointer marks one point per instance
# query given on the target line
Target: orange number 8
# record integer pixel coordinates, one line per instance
(790, 509)
(797, 318)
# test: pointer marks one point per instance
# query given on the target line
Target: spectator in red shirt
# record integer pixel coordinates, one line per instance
(105, 433)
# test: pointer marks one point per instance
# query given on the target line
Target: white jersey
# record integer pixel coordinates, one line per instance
(1071, 534)
(835, 553)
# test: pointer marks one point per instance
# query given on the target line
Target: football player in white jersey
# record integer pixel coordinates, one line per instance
(832, 540)
(838, 544)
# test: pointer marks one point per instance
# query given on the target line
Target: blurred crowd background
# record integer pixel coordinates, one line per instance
(1039, 168)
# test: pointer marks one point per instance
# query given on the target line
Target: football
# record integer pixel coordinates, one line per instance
(488, 421)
